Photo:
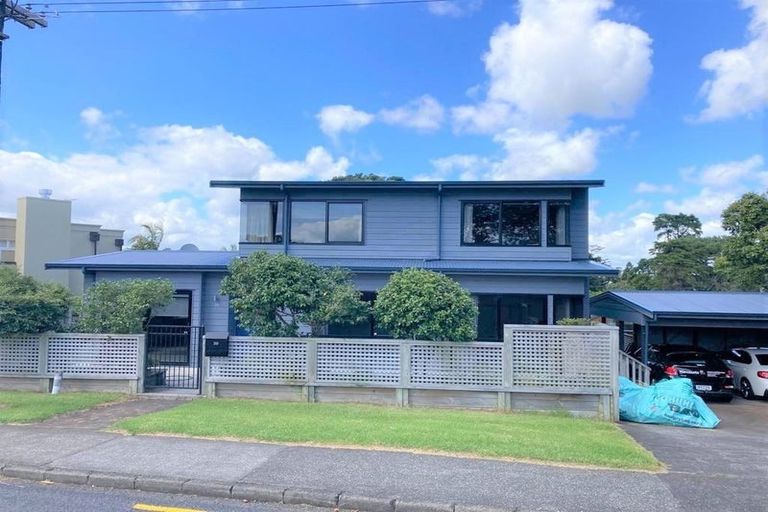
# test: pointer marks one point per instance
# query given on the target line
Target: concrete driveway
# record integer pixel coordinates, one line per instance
(725, 469)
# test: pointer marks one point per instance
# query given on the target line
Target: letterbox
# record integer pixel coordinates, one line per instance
(216, 344)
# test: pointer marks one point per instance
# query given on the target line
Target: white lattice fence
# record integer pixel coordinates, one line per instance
(374, 364)
(95, 356)
(261, 360)
(470, 365)
(561, 358)
(20, 355)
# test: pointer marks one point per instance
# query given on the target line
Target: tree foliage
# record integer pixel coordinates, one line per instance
(123, 306)
(598, 284)
(28, 306)
(273, 295)
(670, 226)
(150, 240)
(367, 177)
(743, 263)
(421, 304)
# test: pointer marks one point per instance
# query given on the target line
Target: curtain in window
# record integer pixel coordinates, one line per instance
(259, 222)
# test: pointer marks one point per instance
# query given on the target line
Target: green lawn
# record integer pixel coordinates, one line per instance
(557, 438)
(26, 407)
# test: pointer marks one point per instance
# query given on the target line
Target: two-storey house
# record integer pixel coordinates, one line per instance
(521, 248)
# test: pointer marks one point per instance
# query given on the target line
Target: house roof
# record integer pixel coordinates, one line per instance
(422, 185)
(218, 261)
(686, 304)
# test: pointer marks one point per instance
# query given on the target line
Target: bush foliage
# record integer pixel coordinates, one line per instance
(274, 294)
(421, 304)
(123, 306)
(28, 306)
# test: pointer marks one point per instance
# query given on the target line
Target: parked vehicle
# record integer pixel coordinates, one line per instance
(750, 371)
(710, 376)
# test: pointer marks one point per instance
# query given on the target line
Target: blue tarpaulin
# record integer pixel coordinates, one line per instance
(668, 402)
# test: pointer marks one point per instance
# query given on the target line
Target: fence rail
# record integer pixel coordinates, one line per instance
(634, 370)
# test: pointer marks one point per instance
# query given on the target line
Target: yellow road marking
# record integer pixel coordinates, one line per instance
(161, 508)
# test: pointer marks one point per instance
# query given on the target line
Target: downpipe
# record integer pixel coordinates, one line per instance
(57, 378)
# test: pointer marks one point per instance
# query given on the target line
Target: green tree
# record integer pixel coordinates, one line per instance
(421, 304)
(637, 277)
(598, 284)
(743, 263)
(672, 226)
(273, 295)
(150, 240)
(28, 306)
(367, 177)
(123, 306)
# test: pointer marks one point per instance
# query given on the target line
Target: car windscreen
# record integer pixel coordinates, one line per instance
(762, 359)
(696, 358)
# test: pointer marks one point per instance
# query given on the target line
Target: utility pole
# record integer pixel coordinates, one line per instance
(9, 9)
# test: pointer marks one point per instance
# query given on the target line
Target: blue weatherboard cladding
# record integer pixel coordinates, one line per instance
(412, 224)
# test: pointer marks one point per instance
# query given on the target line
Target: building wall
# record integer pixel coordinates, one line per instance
(492, 284)
(42, 235)
(81, 245)
(404, 224)
(7, 241)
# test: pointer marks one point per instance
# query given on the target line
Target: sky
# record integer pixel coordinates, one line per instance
(131, 115)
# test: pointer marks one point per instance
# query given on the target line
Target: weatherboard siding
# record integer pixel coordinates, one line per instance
(370, 282)
(214, 305)
(580, 224)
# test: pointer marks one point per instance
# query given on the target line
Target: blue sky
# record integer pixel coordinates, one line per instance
(131, 115)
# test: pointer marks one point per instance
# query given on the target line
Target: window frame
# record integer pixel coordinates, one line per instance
(567, 223)
(327, 203)
(501, 203)
(274, 235)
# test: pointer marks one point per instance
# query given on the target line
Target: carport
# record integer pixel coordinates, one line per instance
(714, 321)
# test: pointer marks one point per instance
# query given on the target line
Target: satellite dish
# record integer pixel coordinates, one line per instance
(189, 248)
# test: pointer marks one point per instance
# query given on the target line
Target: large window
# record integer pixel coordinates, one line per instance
(494, 311)
(320, 222)
(558, 220)
(501, 223)
(261, 222)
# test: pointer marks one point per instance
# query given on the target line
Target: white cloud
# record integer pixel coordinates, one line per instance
(562, 59)
(455, 8)
(467, 167)
(335, 119)
(98, 125)
(740, 82)
(653, 188)
(729, 172)
(163, 177)
(423, 114)
(623, 236)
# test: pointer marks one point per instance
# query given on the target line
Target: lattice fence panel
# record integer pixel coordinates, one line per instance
(470, 365)
(560, 358)
(358, 363)
(20, 354)
(253, 360)
(94, 356)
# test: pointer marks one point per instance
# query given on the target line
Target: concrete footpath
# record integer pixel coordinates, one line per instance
(74, 450)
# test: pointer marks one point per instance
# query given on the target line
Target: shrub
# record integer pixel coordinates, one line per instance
(421, 304)
(274, 294)
(123, 306)
(574, 321)
(28, 306)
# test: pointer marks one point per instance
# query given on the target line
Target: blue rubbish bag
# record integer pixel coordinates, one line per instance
(668, 402)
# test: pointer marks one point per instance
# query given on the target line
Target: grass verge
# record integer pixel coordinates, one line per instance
(554, 438)
(27, 407)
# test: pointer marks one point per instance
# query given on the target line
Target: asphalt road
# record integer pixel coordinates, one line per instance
(24, 496)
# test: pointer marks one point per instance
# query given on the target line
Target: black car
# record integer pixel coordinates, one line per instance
(710, 376)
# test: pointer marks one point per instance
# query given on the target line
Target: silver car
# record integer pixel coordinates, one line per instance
(750, 371)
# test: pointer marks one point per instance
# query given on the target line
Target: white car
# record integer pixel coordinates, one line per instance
(750, 371)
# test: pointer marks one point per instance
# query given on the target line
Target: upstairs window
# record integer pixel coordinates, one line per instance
(326, 222)
(499, 223)
(558, 222)
(261, 222)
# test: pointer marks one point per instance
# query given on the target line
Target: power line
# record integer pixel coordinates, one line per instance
(228, 8)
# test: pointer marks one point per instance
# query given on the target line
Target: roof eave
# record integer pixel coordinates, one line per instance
(428, 185)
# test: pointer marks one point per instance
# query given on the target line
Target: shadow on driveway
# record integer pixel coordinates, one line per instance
(725, 469)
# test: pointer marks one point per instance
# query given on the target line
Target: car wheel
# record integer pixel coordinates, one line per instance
(746, 390)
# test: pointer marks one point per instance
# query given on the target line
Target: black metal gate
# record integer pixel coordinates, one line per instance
(173, 357)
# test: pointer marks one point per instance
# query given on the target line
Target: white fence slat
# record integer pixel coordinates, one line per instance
(257, 360)
(358, 363)
(93, 355)
(20, 354)
(457, 364)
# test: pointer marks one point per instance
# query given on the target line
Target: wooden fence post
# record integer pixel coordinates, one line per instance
(614, 399)
(309, 390)
(504, 401)
(403, 399)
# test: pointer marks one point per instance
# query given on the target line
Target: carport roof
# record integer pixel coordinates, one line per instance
(686, 304)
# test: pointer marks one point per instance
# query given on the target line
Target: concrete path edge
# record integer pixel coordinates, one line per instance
(267, 493)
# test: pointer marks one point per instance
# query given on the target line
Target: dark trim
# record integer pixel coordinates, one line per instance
(424, 185)
(328, 202)
(501, 203)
